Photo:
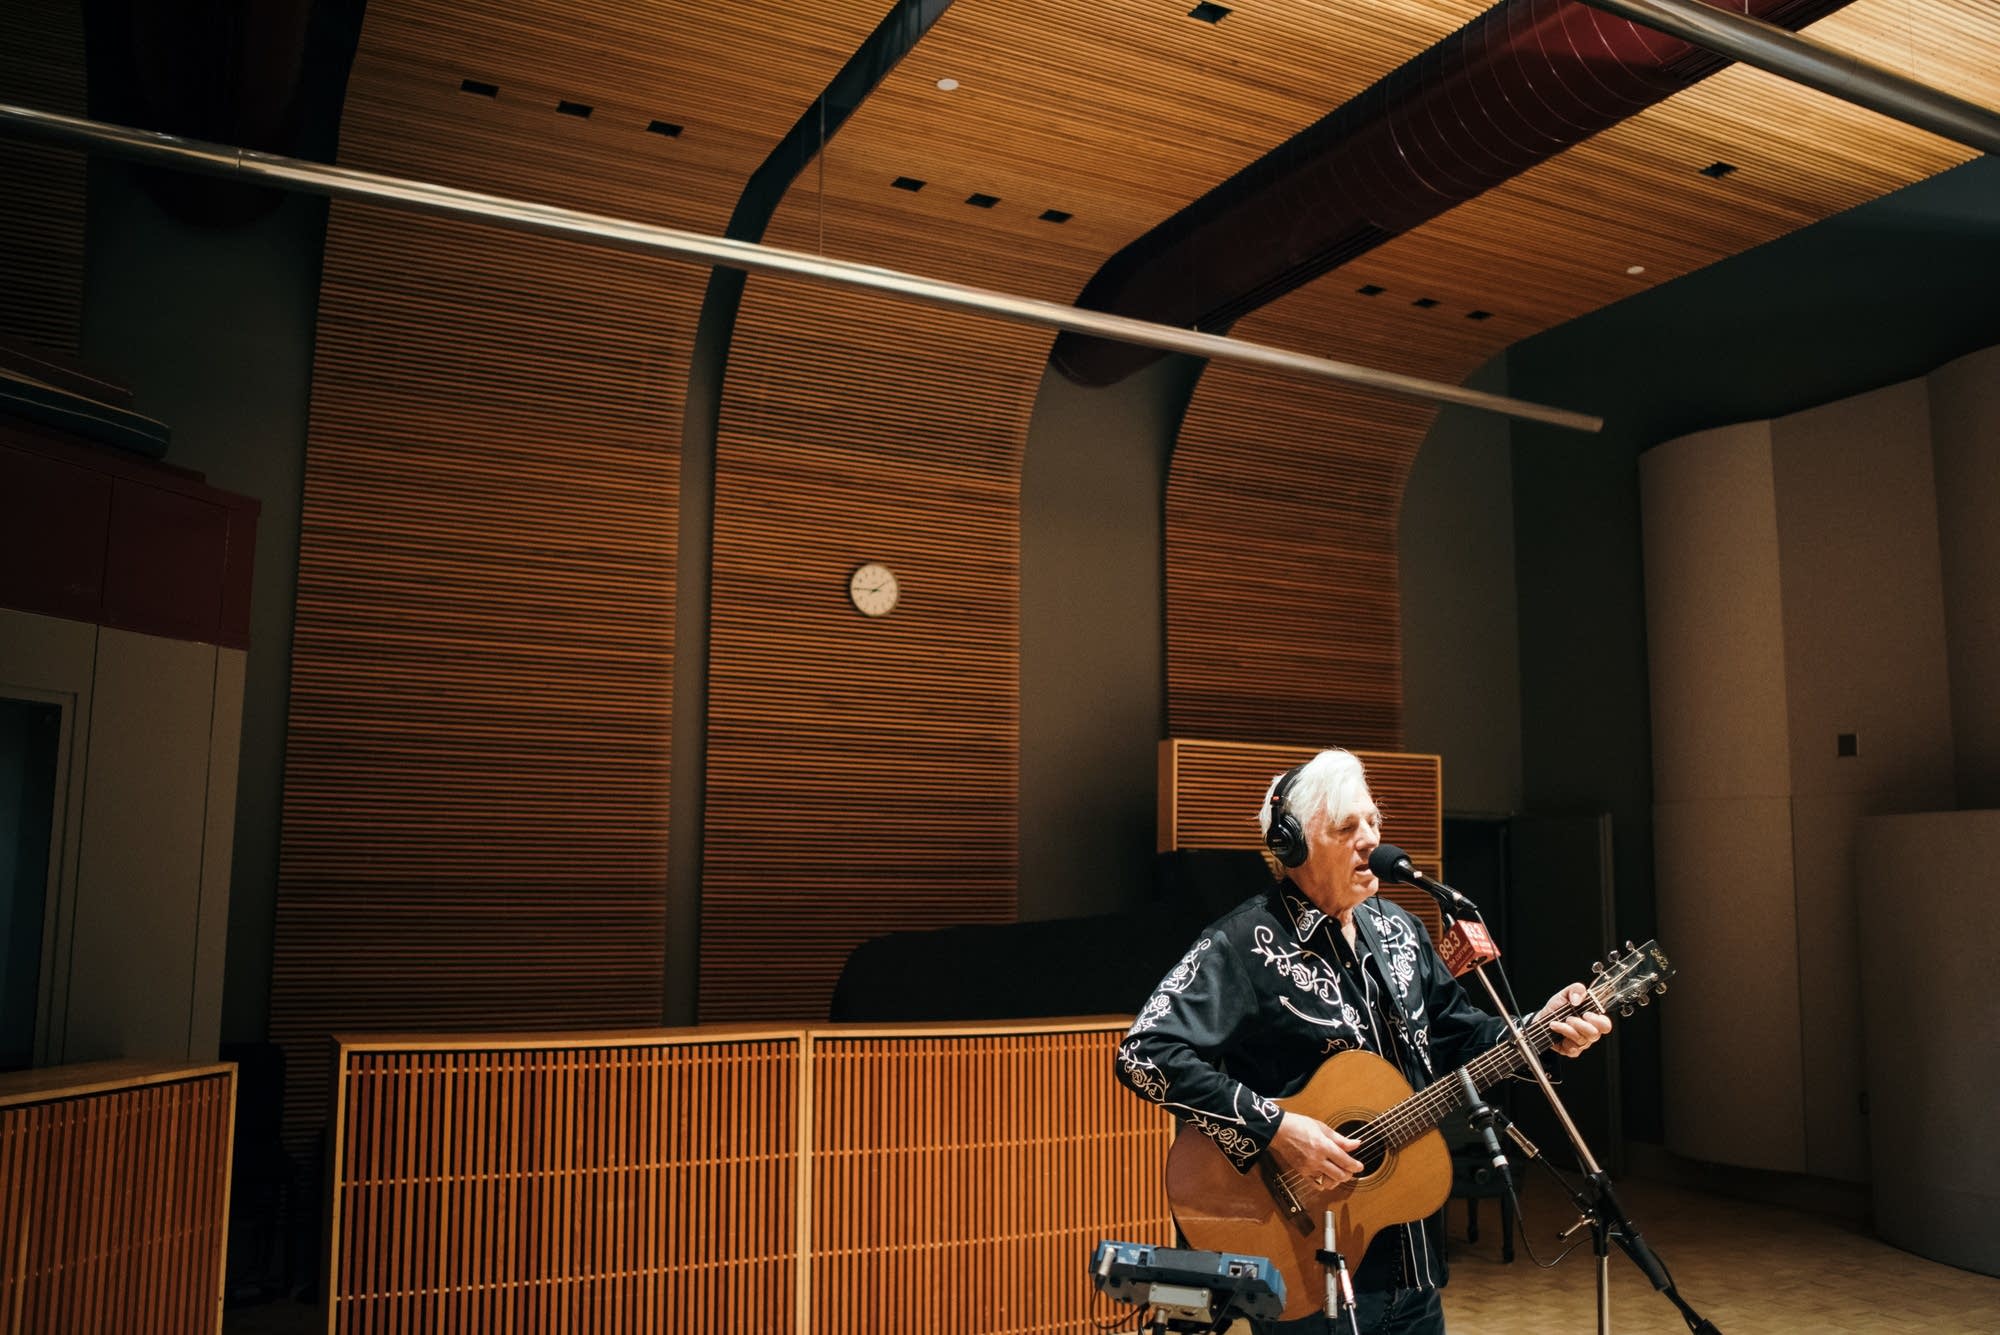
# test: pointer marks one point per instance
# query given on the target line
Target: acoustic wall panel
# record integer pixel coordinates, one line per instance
(1936, 1173)
(1965, 421)
(475, 829)
(861, 770)
(41, 210)
(1714, 621)
(476, 771)
(1210, 793)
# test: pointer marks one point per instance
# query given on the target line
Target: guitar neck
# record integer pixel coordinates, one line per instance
(1423, 1110)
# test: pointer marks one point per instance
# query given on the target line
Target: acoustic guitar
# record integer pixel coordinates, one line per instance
(1406, 1167)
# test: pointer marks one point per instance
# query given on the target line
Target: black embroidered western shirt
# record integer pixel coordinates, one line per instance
(1263, 997)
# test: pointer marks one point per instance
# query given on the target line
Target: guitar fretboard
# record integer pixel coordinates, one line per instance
(1423, 1110)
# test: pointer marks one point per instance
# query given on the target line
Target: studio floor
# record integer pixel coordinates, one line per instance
(1751, 1269)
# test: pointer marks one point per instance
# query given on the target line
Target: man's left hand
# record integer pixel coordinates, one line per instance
(1574, 1033)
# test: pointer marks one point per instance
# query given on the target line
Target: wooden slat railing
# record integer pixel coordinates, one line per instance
(114, 1192)
(835, 1180)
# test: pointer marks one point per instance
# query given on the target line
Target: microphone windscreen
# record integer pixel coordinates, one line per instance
(1388, 862)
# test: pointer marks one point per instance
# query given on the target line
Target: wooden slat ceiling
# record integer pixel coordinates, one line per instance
(856, 429)
(476, 802)
(1550, 245)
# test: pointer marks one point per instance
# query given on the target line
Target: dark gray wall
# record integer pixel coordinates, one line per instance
(1461, 660)
(213, 330)
(1093, 673)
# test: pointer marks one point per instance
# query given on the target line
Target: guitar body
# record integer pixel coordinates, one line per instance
(1253, 1214)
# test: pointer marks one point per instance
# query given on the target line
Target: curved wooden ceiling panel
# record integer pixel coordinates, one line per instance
(1545, 247)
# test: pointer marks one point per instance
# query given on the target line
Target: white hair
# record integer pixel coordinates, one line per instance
(1329, 786)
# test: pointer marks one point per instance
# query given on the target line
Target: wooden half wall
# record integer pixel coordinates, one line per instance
(114, 1195)
(842, 1181)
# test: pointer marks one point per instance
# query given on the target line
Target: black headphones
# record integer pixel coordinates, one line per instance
(1284, 836)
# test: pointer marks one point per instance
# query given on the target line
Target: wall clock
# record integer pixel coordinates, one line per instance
(874, 590)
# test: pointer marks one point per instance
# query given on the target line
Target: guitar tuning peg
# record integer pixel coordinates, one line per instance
(1630, 946)
(1660, 988)
(1597, 966)
(1645, 998)
(1612, 954)
(1625, 1009)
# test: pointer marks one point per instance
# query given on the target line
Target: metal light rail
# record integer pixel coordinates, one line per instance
(1802, 60)
(521, 215)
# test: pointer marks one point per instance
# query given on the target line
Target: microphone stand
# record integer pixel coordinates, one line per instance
(1600, 1208)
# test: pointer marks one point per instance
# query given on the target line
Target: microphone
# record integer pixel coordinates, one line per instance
(1481, 1118)
(1390, 863)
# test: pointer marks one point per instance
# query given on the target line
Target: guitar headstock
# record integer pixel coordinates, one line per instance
(1633, 976)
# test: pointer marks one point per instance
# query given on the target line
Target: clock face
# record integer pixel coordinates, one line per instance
(873, 589)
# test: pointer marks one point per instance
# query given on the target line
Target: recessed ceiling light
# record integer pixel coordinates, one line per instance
(947, 85)
(1635, 269)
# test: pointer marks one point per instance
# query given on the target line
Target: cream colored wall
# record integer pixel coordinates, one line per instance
(1722, 804)
(1931, 1014)
(1797, 590)
(137, 917)
(1865, 654)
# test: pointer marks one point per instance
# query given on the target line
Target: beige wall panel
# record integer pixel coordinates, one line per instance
(1863, 596)
(1965, 440)
(1713, 625)
(225, 745)
(52, 659)
(1830, 905)
(1730, 1033)
(1930, 1012)
(140, 868)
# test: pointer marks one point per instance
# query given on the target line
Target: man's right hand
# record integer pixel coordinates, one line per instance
(1307, 1147)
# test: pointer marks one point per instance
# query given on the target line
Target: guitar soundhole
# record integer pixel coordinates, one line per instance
(1371, 1155)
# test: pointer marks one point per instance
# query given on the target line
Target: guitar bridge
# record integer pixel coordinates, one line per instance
(1288, 1202)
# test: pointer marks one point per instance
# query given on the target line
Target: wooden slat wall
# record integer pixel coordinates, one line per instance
(41, 205)
(958, 1178)
(961, 1180)
(477, 787)
(1282, 598)
(609, 1187)
(1210, 793)
(862, 773)
(113, 1203)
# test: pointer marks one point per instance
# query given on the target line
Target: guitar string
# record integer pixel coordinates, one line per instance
(1389, 1130)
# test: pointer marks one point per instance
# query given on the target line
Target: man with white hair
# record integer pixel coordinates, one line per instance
(1315, 966)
